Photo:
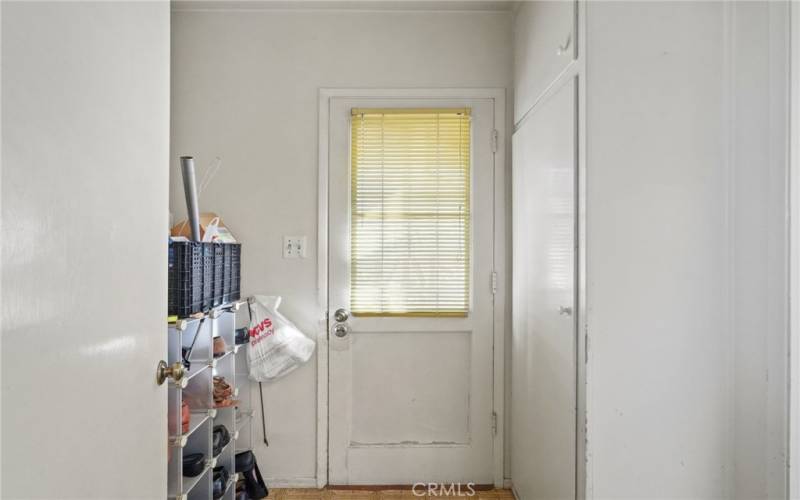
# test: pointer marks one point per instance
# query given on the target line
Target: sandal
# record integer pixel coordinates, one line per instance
(219, 347)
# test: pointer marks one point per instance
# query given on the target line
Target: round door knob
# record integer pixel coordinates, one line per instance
(164, 371)
(340, 330)
(341, 315)
(565, 311)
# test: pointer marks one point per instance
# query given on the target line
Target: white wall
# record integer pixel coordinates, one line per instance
(85, 112)
(660, 386)
(758, 136)
(794, 245)
(686, 170)
(687, 263)
(245, 88)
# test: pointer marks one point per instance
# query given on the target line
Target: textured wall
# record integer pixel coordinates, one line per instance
(245, 88)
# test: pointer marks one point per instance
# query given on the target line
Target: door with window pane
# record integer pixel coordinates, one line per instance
(410, 295)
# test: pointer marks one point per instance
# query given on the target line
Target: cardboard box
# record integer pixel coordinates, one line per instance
(182, 228)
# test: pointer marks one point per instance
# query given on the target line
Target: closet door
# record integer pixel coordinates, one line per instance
(544, 45)
(544, 366)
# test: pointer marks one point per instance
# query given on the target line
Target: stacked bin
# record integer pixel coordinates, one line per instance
(208, 275)
(202, 276)
(185, 279)
(219, 269)
(226, 273)
(236, 267)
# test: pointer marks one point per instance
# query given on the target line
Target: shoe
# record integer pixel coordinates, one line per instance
(221, 438)
(220, 482)
(186, 417)
(242, 336)
(240, 487)
(226, 403)
(219, 347)
(222, 393)
(245, 461)
(193, 464)
(254, 483)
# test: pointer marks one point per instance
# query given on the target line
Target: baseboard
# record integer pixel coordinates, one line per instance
(311, 482)
(295, 482)
(407, 487)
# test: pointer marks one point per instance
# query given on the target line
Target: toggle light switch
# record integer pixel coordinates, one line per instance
(294, 247)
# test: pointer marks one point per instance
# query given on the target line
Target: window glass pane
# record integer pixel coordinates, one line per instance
(410, 221)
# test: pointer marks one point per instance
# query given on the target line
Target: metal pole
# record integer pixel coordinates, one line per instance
(190, 190)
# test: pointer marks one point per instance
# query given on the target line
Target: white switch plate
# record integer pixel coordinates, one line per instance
(294, 247)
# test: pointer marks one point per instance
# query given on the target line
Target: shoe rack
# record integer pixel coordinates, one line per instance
(196, 387)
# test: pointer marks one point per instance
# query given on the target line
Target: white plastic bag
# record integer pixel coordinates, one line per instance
(212, 231)
(276, 346)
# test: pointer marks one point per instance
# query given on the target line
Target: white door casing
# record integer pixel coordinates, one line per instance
(411, 399)
(794, 248)
(544, 398)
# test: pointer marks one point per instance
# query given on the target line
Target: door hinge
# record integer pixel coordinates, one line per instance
(494, 141)
(494, 423)
(494, 282)
(586, 345)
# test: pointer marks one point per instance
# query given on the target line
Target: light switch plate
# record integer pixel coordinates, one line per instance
(294, 247)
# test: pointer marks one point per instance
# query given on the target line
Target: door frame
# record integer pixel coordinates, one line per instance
(793, 227)
(500, 257)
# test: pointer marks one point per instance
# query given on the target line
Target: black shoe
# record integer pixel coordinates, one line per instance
(254, 483)
(220, 482)
(193, 464)
(221, 438)
(242, 336)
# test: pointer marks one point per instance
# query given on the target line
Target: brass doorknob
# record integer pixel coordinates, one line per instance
(164, 371)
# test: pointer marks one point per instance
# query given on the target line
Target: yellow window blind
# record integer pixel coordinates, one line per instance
(410, 212)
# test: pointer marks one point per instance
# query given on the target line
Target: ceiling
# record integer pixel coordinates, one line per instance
(371, 5)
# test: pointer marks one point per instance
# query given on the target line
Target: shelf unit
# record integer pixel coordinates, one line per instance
(197, 388)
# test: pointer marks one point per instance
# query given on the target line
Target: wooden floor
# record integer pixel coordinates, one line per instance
(378, 493)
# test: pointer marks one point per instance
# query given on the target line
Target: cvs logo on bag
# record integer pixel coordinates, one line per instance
(276, 346)
(255, 332)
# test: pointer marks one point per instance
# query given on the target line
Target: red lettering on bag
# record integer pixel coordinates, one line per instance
(267, 323)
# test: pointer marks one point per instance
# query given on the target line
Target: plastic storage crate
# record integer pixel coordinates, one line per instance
(226, 272)
(185, 294)
(219, 273)
(208, 275)
(202, 276)
(236, 270)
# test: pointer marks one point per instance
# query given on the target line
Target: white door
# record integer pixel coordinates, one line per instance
(543, 405)
(410, 393)
(85, 213)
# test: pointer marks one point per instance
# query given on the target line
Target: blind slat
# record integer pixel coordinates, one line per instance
(410, 212)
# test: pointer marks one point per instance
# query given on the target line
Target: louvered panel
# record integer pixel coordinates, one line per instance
(409, 233)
